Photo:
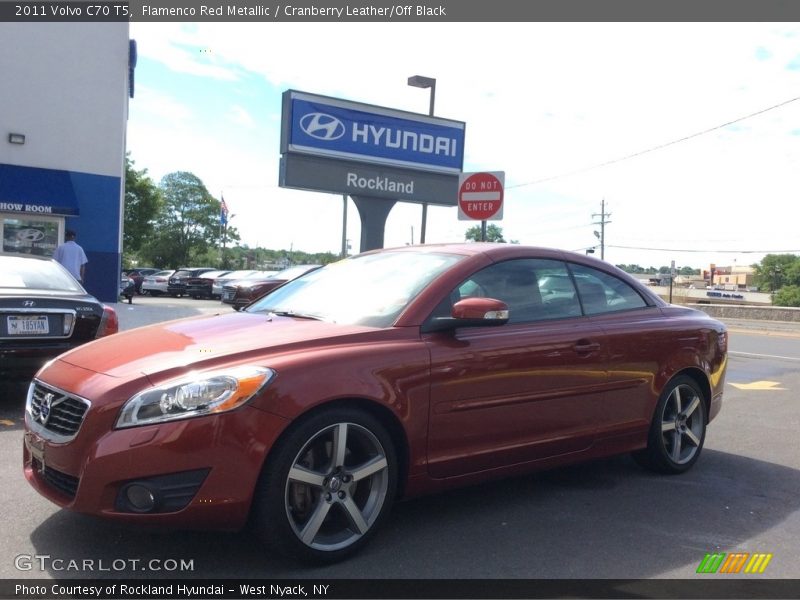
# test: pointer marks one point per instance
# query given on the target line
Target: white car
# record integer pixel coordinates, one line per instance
(156, 284)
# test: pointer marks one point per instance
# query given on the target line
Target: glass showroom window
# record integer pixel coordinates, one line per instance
(31, 235)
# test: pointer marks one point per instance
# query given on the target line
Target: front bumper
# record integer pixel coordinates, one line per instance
(90, 473)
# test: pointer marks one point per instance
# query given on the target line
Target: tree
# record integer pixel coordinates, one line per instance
(142, 205)
(188, 224)
(493, 234)
(777, 270)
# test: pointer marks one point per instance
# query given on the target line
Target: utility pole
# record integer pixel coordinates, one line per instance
(603, 222)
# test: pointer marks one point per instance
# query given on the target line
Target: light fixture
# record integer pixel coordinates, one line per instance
(16, 138)
(421, 81)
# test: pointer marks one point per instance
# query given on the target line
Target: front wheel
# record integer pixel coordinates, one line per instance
(678, 429)
(327, 487)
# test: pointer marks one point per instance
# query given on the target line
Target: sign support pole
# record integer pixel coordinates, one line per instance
(344, 225)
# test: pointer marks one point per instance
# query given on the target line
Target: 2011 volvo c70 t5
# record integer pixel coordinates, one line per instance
(386, 375)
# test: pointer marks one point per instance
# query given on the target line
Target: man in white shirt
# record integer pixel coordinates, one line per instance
(72, 256)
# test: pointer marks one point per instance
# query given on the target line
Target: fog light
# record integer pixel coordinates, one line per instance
(140, 497)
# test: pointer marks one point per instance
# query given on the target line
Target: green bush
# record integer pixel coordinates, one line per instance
(788, 295)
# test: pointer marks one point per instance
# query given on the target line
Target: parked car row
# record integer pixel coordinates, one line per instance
(242, 292)
(237, 288)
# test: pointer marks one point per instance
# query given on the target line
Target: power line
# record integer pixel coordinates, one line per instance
(654, 148)
(716, 251)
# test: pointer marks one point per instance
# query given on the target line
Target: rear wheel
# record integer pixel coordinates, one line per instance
(327, 487)
(678, 429)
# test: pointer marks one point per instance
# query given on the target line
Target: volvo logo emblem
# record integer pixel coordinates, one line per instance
(322, 127)
(29, 303)
(44, 408)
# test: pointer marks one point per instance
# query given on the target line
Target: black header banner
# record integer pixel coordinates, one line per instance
(396, 11)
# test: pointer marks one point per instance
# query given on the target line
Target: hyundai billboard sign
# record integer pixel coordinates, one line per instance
(335, 128)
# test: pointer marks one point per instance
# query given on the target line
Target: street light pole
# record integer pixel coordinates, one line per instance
(424, 82)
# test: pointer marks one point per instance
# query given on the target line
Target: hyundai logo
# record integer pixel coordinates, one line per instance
(322, 127)
(29, 303)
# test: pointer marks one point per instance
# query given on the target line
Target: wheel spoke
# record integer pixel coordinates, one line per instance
(339, 445)
(315, 522)
(369, 468)
(692, 406)
(676, 446)
(695, 440)
(667, 426)
(678, 400)
(300, 474)
(354, 516)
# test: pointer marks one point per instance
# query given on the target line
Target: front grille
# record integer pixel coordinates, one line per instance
(66, 484)
(228, 293)
(56, 411)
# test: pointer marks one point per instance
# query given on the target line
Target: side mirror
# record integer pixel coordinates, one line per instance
(493, 312)
(471, 312)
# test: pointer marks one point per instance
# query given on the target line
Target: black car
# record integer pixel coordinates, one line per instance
(176, 286)
(202, 285)
(44, 312)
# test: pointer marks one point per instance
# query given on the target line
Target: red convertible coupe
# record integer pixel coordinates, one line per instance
(386, 375)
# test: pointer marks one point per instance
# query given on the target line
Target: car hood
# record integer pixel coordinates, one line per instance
(176, 347)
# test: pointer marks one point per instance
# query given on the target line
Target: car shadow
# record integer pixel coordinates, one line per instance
(605, 519)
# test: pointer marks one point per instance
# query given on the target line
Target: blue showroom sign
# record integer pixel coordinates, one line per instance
(331, 127)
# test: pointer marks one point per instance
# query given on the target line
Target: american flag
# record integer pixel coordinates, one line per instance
(223, 211)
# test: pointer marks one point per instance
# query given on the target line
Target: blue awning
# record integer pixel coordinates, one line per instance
(37, 191)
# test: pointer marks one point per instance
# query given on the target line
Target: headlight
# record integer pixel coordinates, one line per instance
(195, 396)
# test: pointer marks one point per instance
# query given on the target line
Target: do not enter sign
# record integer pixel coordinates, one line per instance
(480, 196)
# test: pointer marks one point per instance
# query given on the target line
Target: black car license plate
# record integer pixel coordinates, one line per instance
(28, 325)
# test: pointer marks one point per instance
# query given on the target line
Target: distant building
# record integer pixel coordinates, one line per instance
(64, 114)
(731, 278)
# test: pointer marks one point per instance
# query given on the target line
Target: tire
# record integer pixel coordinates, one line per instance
(678, 430)
(327, 486)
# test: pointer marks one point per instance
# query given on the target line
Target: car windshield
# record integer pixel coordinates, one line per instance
(371, 289)
(27, 273)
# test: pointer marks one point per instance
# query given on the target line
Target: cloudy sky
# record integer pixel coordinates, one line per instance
(574, 113)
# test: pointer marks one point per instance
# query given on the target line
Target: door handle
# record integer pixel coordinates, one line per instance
(586, 346)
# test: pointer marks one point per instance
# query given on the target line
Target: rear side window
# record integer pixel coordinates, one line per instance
(603, 293)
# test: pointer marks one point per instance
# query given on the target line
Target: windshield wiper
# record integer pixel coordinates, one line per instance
(291, 313)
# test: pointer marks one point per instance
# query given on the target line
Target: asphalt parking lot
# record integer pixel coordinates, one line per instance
(146, 310)
(606, 519)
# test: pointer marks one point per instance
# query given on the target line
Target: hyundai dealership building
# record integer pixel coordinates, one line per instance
(64, 100)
